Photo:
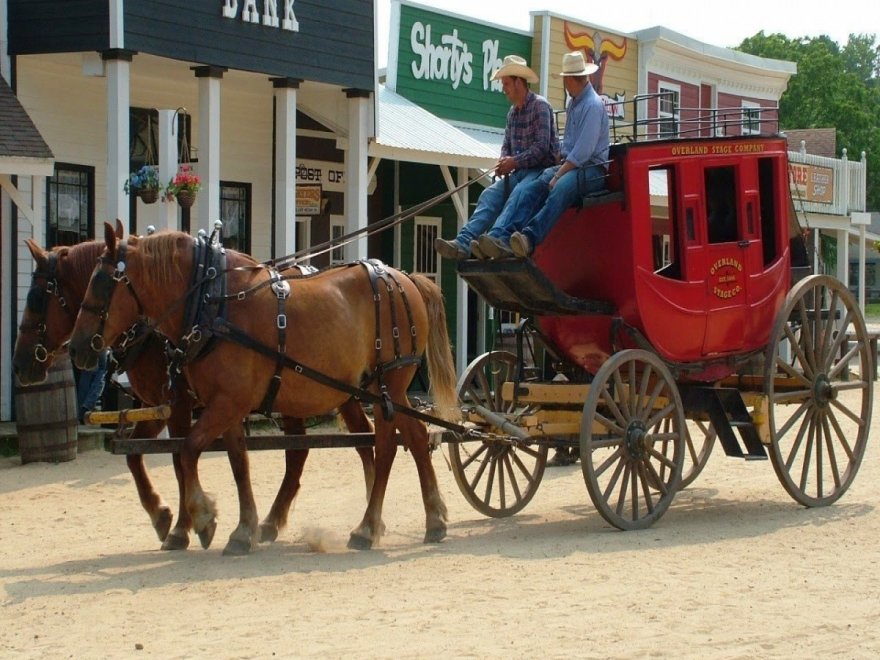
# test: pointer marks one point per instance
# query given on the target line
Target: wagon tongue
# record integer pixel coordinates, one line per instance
(517, 285)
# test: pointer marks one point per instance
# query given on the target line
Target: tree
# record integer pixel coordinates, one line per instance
(834, 86)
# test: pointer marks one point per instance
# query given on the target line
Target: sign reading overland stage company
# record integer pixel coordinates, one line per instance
(444, 63)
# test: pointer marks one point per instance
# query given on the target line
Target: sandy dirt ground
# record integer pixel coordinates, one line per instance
(735, 569)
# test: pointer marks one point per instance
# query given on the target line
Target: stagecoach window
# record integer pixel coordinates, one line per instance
(235, 213)
(70, 203)
(721, 211)
(664, 240)
(425, 259)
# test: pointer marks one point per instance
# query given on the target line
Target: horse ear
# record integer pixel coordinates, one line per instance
(38, 253)
(110, 237)
(120, 232)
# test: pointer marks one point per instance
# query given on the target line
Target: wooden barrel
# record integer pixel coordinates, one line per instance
(46, 416)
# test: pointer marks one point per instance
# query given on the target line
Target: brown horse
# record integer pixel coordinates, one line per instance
(59, 284)
(343, 324)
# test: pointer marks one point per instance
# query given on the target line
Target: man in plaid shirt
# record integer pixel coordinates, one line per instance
(530, 145)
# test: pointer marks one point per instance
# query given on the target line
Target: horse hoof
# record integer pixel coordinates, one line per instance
(356, 542)
(163, 523)
(175, 542)
(268, 533)
(206, 535)
(237, 548)
(435, 535)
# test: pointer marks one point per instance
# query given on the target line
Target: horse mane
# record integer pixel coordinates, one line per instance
(161, 255)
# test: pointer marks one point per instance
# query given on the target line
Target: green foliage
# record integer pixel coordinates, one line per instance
(834, 87)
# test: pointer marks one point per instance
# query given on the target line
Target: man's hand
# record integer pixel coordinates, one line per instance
(505, 166)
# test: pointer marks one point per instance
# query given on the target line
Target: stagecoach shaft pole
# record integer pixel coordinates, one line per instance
(502, 423)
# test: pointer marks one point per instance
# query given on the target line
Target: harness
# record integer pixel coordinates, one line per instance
(379, 278)
(38, 303)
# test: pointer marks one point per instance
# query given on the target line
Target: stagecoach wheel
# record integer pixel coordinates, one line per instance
(819, 384)
(497, 478)
(699, 439)
(631, 458)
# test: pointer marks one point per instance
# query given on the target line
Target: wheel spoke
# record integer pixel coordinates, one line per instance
(829, 448)
(482, 449)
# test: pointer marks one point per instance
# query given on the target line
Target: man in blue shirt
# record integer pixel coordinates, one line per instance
(530, 145)
(534, 208)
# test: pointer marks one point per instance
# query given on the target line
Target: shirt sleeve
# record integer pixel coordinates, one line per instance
(541, 151)
(506, 149)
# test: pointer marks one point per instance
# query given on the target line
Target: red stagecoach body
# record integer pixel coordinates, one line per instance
(699, 285)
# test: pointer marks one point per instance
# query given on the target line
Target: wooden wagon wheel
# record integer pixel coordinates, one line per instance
(632, 466)
(699, 439)
(496, 477)
(819, 384)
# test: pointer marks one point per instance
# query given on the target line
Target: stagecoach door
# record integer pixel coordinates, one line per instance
(727, 251)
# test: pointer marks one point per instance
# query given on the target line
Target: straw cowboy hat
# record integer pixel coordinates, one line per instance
(515, 66)
(574, 64)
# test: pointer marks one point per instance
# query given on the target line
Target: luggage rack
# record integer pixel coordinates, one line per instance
(518, 285)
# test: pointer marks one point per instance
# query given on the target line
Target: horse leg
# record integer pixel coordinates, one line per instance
(415, 436)
(243, 538)
(294, 461)
(371, 527)
(179, 427)
(159, 512)
(356, 421)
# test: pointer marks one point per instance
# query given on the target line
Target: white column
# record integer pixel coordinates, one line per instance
(843, 256)
(7, 311)
(356, 170)
(118, 64)
(285, 166)
(165, 215)
(208, 199)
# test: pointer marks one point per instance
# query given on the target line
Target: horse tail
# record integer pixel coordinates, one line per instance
(441, 368)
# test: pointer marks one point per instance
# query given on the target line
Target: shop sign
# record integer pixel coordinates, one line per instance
(308, 199)
(811, 183)
(445, 63)
(250, 13)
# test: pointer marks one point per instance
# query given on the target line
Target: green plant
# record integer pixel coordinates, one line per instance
(146, 178)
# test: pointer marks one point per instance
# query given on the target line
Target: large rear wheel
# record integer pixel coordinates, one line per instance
(633, 439)
(497, 475)
(819, 384)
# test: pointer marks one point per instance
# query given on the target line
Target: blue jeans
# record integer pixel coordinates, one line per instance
(90, 385)
(491, 202)
(525, 213)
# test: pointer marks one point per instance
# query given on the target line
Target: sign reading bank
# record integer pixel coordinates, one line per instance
(444, 63)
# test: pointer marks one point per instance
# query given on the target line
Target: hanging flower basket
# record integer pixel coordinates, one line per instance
(186, 198)
(148, 195)
(184, 186)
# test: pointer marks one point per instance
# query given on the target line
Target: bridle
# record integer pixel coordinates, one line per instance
(102, 286)
(38, 304)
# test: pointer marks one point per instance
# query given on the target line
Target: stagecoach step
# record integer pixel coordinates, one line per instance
(518, 285)
(727, 411)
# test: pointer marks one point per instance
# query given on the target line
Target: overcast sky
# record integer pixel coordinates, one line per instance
(744, 18)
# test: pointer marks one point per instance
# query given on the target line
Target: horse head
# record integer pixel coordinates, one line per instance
(95, 323)
(57, 287)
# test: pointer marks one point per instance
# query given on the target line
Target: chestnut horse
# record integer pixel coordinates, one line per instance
(57, 289)
(342, 323)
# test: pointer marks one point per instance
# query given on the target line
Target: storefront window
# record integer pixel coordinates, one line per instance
(70, 205)
(235, 213)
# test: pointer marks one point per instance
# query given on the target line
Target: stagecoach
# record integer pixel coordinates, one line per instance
(673, 311)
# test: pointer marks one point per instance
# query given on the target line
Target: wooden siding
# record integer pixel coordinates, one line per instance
(58, 26)
(334, 44)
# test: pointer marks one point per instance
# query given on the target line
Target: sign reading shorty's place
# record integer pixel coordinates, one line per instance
(445, 64)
